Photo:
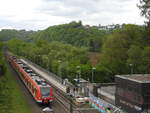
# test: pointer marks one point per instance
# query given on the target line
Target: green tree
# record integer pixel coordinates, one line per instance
(2, 66)
(73, 33)
(135, 58)
(145, 10)
(118, 50)
(8, 34)
(144, 68)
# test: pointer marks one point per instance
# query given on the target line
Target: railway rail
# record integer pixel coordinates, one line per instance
(36, 108)
(59, 90)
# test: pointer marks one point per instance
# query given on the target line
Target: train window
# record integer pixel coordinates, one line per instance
(35, 91)
(32, 88)
(45, 91)
(29, 85)
(27, 82)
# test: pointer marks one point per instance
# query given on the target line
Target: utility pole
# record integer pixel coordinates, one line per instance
(131, 66)
(71, 107)
(79, 76)
(70, 102)
(79, 73)
(60, 74)
(93, 69)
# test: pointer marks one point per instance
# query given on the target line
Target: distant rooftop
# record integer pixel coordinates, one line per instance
(142, 78)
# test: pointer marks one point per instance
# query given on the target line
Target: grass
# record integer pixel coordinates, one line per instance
(17, 102)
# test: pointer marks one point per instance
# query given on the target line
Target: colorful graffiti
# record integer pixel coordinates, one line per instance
(100, 105)
(103, 106)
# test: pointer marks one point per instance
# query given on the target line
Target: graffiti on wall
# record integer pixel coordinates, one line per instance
(100, 105)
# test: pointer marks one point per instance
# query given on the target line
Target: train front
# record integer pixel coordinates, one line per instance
(46, 94)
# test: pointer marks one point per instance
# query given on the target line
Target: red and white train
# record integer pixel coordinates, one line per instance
(41, 91)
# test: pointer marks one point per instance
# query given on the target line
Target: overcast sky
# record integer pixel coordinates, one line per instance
(40, 14)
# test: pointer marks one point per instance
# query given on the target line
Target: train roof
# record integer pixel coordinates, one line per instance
(38, 79)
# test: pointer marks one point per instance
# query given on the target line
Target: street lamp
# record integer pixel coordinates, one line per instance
(59, 61)
(79, 72)
(39, 59)
(48, 64)
(78, 76)
(93, 68)
(34, 58)
(131, 66)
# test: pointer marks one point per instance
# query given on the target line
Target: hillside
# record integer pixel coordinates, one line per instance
(73, 33)
(8, 34)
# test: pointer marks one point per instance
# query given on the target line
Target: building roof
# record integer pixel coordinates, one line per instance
(141, 78)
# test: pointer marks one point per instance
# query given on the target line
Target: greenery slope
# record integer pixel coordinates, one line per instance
(121, 49)
(8, 34)
(53, 56)
(12, 99)
(127, 49)
(73, 33)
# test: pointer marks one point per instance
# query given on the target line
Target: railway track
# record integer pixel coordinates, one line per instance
(36, 108)
(59, 94)
(67, 106)
(63, 101)
(64, 104)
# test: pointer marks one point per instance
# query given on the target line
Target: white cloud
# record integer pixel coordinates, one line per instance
(39, 14)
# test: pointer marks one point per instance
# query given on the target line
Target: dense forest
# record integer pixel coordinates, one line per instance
(53, 56)
(75, 34)
(8, 34)
(122, 51)
(126, 50)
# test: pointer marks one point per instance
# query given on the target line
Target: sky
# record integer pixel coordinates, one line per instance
(40, 14)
